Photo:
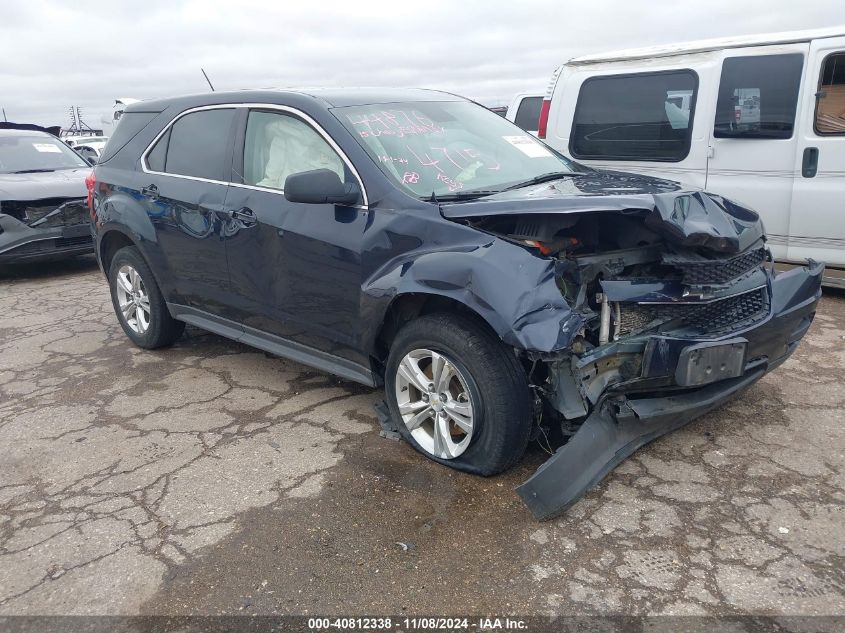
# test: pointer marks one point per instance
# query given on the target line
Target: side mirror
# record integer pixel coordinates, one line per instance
(320, 186)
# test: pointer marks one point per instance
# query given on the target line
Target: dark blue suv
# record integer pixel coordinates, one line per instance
(417, 240)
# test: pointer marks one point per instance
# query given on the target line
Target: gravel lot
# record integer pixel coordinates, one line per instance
(211, 478)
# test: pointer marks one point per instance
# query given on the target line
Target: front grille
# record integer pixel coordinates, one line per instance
(702, 272)
(64, 242)
(717, 317)
(46, 246)
(723, 315)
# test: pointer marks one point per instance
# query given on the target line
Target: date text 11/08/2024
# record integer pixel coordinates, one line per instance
(418, 623)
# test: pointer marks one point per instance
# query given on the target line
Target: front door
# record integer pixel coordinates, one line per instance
(295, 269)
(183, 188)
(817, 223)
(753, 136)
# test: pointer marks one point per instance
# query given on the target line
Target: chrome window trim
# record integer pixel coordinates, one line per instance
(256, 106)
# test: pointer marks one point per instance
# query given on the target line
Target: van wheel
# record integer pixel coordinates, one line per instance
(458, 395)
(138, 303)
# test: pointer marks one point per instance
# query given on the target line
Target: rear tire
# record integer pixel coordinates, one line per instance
(138, 303)
(479, 416)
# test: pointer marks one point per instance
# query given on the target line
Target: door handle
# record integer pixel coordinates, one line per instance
(245, 216)
(810, 162)
(150, 191)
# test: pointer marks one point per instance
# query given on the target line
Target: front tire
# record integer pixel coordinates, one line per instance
(458, 395)
(138, 302)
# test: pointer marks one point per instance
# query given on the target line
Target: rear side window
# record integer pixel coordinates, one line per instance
(197, 144)
(528, 114)
(646, 116)
(130, 124)
(758, 96)
(830, 111)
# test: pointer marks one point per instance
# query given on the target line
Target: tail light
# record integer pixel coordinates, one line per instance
(90, 181)
(543, 123)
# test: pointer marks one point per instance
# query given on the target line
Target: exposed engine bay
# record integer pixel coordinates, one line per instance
(630, 279)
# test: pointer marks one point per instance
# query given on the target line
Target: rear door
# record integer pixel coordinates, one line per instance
(753, 137)
(817, 220)
(184, 175)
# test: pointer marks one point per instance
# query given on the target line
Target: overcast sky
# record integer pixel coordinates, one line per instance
(57, 54)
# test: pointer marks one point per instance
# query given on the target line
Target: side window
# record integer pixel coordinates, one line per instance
(528, 114)
(646, 116)
(758, 96)
(196, 144)
(830, 111)
(278, 145)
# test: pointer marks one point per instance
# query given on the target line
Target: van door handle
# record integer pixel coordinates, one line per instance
(245, 216)
(810, 162)
(150, 191)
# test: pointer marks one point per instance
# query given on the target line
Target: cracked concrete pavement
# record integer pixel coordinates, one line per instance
(211, 478)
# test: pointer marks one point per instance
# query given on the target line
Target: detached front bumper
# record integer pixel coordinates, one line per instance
(621, 423)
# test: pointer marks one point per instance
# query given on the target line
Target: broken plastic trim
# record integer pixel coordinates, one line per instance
(608, 437)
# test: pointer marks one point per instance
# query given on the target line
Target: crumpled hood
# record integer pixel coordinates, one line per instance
(686, 217)
(63, 183)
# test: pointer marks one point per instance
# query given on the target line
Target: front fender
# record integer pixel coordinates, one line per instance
(513, 290)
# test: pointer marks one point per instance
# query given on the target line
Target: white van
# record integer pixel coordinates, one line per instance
(524, 110)
(758, 119)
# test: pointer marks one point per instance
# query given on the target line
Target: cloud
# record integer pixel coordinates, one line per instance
(59, 54)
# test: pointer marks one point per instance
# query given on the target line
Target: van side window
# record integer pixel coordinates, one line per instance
(528, 114)
(646, 116)
(278, 145)
(830, 111)
(758, 96)
(196, 145)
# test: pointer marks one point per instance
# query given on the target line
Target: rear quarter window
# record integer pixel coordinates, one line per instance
(643, 117)
(130, 124)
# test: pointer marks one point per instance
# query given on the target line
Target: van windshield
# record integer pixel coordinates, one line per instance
(449, 148)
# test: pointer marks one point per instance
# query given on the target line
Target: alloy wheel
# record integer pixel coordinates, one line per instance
(434, 403)
(133, 300)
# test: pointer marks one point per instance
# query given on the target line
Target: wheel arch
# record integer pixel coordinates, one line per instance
(111, 242)
(512, 292)
(408, 306)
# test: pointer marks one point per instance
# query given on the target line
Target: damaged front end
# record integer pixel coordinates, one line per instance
(44, 229)
(681, 310)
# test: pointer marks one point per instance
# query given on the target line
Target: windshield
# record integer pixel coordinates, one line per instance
(448, 148)
(36, 153)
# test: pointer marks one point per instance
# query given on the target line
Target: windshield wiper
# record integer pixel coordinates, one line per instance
(536, 180)
(471, 194)
(32, 171)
